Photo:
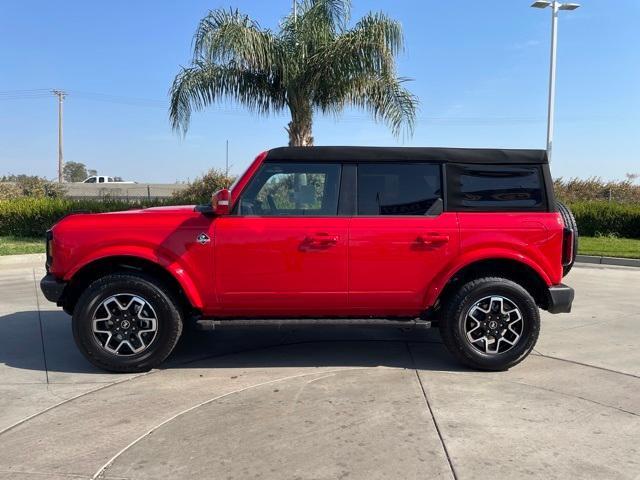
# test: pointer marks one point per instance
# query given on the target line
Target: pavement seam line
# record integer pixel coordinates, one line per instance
(103, 469)
(572, 395)
(70, 399)
(44, 353)
(536, 352)
(433, 417)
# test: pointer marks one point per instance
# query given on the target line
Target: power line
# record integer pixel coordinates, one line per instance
(231, 110)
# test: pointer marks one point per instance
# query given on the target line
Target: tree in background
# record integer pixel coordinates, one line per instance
(74, 172)
(200, 190)
(16, 186)
(314, 63)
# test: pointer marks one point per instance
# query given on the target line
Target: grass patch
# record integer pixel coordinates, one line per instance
(18, 245)
(610, 247)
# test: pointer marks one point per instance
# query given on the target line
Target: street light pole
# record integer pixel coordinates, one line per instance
(551, 107)
(60, 94)
(556, 6)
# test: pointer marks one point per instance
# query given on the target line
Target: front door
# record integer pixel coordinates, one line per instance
(284, 249)
(399, 239)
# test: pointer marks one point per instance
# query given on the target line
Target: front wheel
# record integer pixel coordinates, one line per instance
(126, 323)
(490, 324)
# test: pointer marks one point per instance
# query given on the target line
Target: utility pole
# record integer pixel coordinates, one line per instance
(295, 11)
(556, 6)
(60, 94)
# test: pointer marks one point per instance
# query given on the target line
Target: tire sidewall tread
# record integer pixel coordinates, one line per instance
(170, 321)
(452, 331)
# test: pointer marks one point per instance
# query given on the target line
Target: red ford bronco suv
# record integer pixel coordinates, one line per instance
(469, 239)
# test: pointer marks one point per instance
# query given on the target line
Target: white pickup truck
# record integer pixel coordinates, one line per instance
(103, 179)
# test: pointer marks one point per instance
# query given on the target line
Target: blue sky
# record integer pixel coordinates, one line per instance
(479, 68)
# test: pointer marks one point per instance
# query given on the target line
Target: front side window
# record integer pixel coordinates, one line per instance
(292, 189)
(90, 180)
(398, 188)
(495, 187)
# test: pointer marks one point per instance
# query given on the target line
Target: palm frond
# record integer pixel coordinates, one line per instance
(203, 84)
(334, 13)
(228, 36)
(369, 48)
(387, 100)
(318, 23)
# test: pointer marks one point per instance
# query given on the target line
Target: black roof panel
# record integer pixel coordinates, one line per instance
(412, 154)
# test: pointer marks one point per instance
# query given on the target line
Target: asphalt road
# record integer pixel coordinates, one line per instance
(356, 403)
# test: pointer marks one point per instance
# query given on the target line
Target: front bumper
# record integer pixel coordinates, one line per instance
(52, 288)
(560, 298)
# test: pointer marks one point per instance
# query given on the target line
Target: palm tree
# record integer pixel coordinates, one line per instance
(314, 63)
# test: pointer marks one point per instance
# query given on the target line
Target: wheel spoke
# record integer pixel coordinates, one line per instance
(494, 324)
(130, 321)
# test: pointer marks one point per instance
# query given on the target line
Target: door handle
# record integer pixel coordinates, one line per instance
(432, 239)
(321, 240)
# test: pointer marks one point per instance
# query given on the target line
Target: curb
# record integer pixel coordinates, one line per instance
(22, 259)
(623, 262)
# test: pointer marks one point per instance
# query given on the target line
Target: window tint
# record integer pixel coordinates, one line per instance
(100, 179)
(495, 187)
(397, 188)
(90, 180)
(292, 189)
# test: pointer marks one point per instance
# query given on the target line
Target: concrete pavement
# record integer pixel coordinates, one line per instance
(333, 403)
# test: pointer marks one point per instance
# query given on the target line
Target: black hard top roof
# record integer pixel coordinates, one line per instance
(411, 154)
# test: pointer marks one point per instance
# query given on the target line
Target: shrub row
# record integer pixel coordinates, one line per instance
(580, 190)
(31, 217)
(607, 218)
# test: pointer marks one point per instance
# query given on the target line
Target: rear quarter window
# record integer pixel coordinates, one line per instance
(488, 188)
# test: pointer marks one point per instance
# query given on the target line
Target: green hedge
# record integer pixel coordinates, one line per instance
(31, 217)
(604, 218)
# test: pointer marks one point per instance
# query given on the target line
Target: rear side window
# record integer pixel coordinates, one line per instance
(397, 188)
(495, 188)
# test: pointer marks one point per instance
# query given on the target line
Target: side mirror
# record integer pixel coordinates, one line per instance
(221, 202)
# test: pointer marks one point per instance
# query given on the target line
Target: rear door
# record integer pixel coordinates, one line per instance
(399, 239)
(284, 251)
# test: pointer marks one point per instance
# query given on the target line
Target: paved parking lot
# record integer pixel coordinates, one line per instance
(364, 403)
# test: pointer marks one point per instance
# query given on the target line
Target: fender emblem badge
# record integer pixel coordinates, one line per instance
(203, 238)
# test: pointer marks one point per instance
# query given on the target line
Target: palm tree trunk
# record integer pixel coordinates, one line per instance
(300, 126)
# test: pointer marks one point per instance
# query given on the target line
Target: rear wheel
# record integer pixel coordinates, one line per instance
(126, 323)
(490, 324)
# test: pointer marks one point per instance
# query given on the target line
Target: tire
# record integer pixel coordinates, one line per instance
(455, 324)
(569, 222)
(129, 290)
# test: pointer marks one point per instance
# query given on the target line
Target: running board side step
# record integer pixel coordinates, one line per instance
(208, 324)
